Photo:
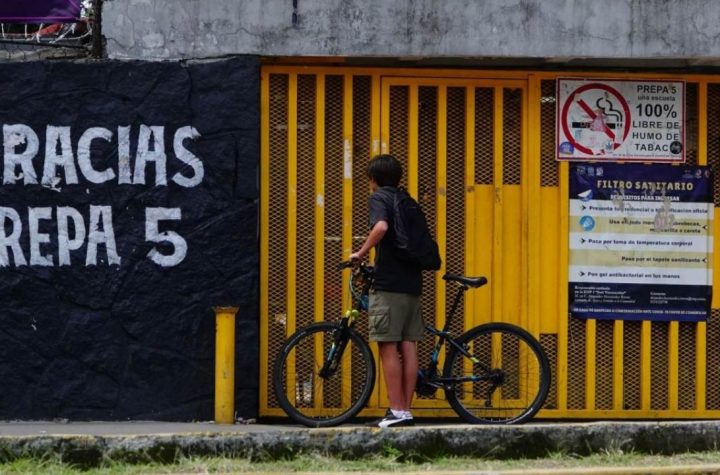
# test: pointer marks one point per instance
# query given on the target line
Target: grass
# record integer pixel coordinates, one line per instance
(391, 461)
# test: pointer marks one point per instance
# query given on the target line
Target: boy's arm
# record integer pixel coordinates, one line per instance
(376, 234)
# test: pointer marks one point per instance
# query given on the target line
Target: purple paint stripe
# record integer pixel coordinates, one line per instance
(38, 18)
(39, 10)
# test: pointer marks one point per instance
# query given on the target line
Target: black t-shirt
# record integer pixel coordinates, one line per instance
(391, 273)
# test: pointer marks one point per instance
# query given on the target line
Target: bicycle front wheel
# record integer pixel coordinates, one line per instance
(323, 375)
(504, 380)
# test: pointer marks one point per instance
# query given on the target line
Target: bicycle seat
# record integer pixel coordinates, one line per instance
(469, 281)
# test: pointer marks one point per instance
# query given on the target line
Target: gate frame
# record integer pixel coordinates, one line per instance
(532, 273)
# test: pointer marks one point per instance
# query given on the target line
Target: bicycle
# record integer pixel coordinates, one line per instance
(494, 373)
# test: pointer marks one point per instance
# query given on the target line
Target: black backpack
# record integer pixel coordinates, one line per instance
(413, 241)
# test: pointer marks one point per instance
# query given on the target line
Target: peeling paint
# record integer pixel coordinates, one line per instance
(167, 29)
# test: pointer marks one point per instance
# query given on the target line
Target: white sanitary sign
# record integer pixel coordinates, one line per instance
(616, 119)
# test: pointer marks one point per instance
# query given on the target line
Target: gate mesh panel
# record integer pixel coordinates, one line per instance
(334, 155)
(455, 211)
(277, 231)
(659, 365)
(632, 335)
(691, 123)
(514, 380)
(362, 148)
(576, 364)
(399, 113)
(427, 195)
(713, 360)
(549, 343)
(713, 135)
(548, 164)
(305, 201)
(484, 135)
(512, 136)
(686, 365)
(713, 324)
(604, 364)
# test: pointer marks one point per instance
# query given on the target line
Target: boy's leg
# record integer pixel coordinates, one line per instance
(408, 349)
(393, 371)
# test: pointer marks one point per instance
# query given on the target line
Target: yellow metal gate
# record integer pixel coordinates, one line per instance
(478, 149)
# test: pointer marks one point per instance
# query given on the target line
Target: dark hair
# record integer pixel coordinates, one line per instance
(385, 170)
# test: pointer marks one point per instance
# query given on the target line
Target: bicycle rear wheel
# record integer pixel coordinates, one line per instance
(317, 398)
(505, 381)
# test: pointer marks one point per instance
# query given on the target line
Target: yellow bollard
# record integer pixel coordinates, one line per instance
(225, 364)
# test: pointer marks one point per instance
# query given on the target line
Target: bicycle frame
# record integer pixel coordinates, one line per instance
(347, 321)
(444, 336)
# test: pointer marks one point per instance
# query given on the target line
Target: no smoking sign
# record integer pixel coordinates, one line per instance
(609, 120)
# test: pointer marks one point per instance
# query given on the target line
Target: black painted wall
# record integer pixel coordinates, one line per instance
(134, 339)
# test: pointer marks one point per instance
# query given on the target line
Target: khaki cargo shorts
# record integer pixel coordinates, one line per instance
(394, 317)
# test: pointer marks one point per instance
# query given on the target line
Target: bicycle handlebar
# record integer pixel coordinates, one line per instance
(346, 264)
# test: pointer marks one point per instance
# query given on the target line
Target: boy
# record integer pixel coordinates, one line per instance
(394, 317)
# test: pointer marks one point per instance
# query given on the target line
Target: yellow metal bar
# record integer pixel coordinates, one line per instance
(291, 296)
(264, 233)
(700, 366)
(497, 75)
(626, 414)
(701, 327)
(225, 364)
(381, 394)
(702, 123)
(497, 277)
(590, 362)
(471, 267)
(453, 82)
(375, 115)
(441, 203)
(532, 202)
(618, 351)
(319, 197)
(562, 363)
(673, 358)
(437, 410)
(530, 199)
(645, 364)
(347, 171)
(413, 124)
(319, 264)
(496, 361)
(347, 217)
(376, 104)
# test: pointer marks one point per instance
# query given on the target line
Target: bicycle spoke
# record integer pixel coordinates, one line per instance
(309, 398)
(507, 366)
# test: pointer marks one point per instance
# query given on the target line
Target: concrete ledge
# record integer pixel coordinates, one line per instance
(500, 442)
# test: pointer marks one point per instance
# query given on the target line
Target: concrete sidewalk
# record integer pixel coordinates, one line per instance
(90, 442)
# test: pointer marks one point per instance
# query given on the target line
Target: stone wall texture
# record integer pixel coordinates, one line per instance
(159, 29)
(93, 327)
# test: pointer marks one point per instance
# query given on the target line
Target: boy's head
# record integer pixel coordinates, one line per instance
(385, 170)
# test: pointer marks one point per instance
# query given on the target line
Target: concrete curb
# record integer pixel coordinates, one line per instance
(498, 442)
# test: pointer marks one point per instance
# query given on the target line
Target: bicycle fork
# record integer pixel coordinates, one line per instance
(340, 340)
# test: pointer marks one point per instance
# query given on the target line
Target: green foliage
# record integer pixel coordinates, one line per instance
(392, 459)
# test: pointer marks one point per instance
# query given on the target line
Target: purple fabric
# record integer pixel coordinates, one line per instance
(39, 11)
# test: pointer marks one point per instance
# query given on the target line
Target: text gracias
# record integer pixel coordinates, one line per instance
(21, 145)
